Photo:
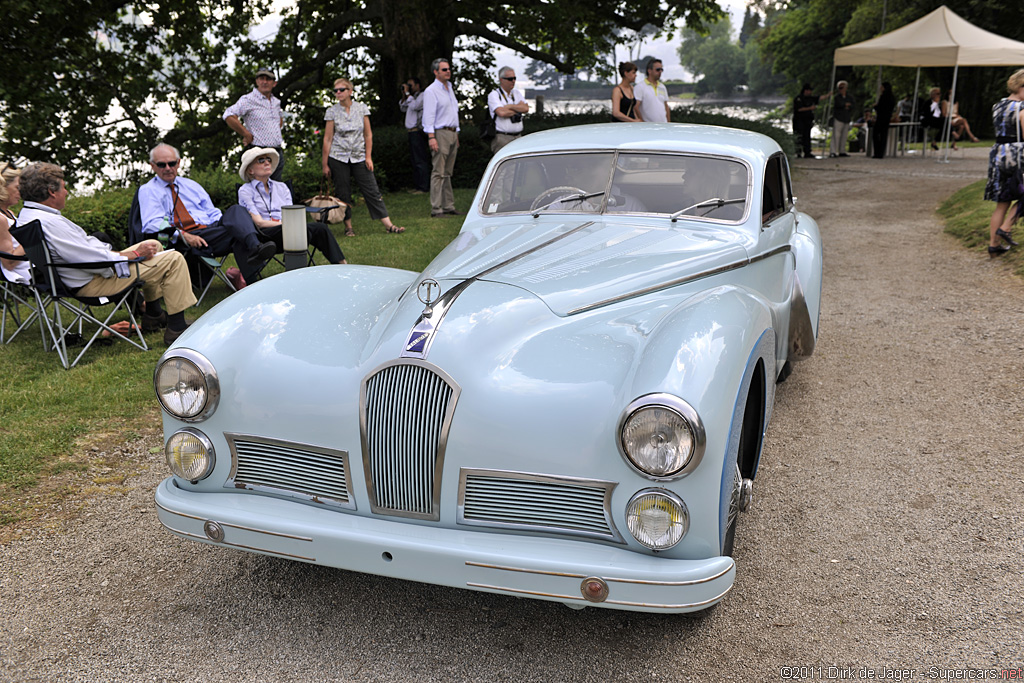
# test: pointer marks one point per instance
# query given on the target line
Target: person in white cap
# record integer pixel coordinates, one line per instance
(256, 116)
(264, 198)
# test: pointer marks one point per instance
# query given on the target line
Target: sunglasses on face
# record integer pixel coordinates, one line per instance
(658, 69)
(264, 160)
(508, 78)
(444, 69)
(340, 89)
(166, 164)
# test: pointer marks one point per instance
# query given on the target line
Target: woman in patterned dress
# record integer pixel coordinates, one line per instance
(348, 154)
(1004, 189)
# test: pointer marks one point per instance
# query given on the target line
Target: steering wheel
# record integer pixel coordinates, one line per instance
(551, 194)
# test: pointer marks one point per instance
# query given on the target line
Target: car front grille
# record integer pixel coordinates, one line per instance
(406, 409)
(312, 473)
(537, 502)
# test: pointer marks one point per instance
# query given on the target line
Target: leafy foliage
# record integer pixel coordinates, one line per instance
(801, 36)
(85, 89)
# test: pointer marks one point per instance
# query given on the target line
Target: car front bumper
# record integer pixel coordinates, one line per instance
(526, 566)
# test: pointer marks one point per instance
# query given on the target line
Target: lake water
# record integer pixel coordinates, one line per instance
(769, 112)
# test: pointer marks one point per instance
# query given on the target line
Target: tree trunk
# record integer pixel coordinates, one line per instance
(417, 32)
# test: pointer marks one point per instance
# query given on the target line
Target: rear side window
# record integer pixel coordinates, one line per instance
(774, 196)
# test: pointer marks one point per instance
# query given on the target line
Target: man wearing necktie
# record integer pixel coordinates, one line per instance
(183, 204)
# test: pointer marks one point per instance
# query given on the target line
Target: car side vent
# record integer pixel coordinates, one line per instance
(406, 409)
(533, 502)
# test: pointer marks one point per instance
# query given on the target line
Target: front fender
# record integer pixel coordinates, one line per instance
(706, 352)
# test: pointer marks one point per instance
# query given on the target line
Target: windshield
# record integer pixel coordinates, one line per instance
(624, 182)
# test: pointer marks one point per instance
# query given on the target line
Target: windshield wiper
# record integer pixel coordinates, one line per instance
(572, 198)
(714, 202)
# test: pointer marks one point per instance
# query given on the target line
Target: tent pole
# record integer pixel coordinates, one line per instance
(948, 132)
(830, 130)
(913, 109)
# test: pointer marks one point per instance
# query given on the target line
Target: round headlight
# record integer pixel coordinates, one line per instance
(190, 455)
(187, 385)
(657, 518)
(661, 436)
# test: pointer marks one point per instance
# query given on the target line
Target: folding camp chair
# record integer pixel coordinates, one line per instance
(205, 269)
(46, 282)
(15, 297)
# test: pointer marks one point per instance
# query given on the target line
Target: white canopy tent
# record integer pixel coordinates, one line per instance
(941, 38)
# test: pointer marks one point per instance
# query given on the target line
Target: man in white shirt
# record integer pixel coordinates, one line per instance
(441, 124)
(412, 104)
(507, 107)
(165, 272)
(652, 95)
(261, 112)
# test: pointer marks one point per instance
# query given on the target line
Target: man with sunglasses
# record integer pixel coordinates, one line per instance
(652, 95)
(441, 124)
(507, 107)
(261, 112)
(169, 202)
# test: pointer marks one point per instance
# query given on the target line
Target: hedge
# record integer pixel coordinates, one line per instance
(107, 210)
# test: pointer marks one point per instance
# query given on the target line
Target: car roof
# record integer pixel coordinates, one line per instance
(674, 137)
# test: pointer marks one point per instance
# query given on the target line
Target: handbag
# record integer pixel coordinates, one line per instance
(1008, 159)
(323, 200)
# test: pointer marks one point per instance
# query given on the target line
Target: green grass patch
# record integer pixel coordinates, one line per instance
(53, 418)
(967, 218)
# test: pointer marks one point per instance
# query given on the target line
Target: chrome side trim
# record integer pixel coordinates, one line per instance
(417, 344)
(694, 582)
(233, 526)
(560, 596)
(683, 280)
(442, 441)
(607, 486)
(801, 329)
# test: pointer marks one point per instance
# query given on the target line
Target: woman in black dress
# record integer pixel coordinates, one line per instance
(623, 101)
(883, 115)
(1005, 188)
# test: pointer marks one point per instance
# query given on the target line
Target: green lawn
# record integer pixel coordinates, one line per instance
(967, 217)
(52, 419)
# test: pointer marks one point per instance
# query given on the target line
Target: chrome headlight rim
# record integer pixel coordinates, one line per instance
(681, 408)
(211, 453)
(209, 374)
(675, 500)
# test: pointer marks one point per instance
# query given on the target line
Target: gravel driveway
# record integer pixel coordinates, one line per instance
(885, 533)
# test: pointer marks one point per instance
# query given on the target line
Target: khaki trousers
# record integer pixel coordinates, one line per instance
(166, 276)
(441, 196)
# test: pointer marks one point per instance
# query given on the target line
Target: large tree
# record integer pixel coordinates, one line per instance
(84, 87)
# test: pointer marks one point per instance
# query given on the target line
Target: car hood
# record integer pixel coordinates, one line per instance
(575, 264)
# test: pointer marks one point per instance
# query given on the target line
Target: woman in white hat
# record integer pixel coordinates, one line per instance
(263, 199)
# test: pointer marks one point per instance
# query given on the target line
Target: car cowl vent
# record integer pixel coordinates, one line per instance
(406, 409)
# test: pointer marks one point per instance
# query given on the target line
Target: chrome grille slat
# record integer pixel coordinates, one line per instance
(293, 470)
(537, 502)
(405, 412)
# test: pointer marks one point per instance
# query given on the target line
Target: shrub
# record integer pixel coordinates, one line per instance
(105, 211)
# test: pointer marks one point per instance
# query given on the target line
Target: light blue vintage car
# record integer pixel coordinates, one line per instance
(568, 404)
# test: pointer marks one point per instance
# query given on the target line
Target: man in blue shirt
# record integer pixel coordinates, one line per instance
(168, 201)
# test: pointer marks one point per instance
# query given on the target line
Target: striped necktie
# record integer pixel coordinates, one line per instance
(182, 218)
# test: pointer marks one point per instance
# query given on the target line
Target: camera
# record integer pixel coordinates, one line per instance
(516, 118)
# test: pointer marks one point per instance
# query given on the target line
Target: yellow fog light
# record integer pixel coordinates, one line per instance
(657, 518)
(190, 455)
